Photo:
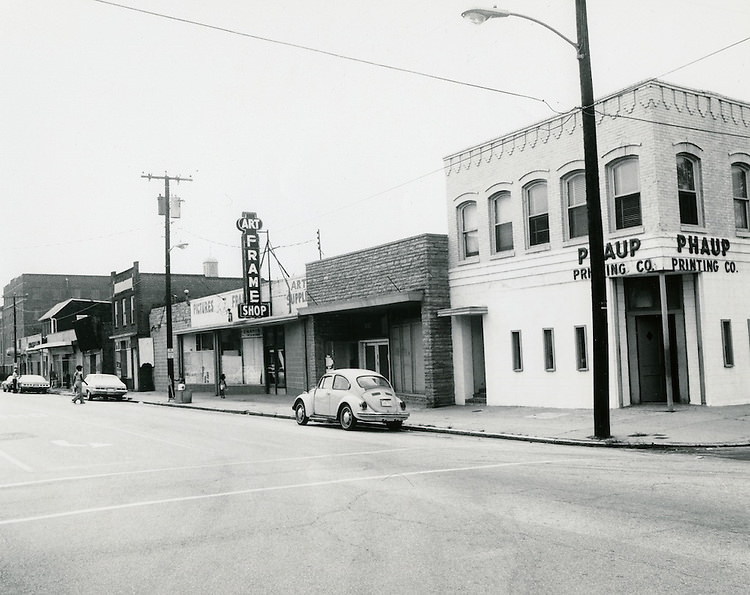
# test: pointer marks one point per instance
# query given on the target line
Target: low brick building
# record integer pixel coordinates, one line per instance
(377, 309)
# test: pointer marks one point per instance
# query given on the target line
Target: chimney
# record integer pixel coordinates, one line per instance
(210, 267)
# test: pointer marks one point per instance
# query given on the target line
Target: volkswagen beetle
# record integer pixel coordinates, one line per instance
(349, 396)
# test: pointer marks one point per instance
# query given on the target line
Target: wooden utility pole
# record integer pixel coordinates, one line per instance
(168, 275)
(596, 234)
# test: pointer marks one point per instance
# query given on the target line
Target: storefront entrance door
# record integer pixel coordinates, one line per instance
(650, 359)
(652, 375)
(375, 356)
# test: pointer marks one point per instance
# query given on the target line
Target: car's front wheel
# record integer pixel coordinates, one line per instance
(300, 414)
(347, 419)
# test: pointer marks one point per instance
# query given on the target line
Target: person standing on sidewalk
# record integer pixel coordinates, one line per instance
(78, 383)
(222, 386)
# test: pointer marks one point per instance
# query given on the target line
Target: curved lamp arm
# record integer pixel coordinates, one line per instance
(480, 15)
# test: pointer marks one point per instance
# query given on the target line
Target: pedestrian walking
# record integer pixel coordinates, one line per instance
(78, 383)
(222, 386)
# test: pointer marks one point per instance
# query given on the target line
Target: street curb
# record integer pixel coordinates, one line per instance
(588, 442)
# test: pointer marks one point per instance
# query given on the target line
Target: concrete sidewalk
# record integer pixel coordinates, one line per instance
(642, 426)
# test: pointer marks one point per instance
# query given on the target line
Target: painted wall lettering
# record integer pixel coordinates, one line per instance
(703, 246)
(618, 249)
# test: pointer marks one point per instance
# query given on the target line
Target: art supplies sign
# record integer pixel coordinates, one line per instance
(253, 306)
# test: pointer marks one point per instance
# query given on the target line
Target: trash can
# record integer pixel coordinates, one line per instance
(182, 395)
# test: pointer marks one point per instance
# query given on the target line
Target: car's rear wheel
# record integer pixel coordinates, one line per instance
(394, 425)
(300, 414)
(346, 418)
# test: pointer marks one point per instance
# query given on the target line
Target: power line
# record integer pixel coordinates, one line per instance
(327, 53)
(426, 75)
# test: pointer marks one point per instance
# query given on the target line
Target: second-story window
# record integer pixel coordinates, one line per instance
(469, 229)
(687, 189)
(124, 313)
(537, 213)
(626, 193)
(739, 192)
(502, 226)
(574, 190)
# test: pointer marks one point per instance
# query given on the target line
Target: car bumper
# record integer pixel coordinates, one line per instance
(380, 417)
(108, 393)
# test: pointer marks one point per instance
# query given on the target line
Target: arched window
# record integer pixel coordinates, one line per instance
(688, 172)
(574, 193)
(739, 193)
(626, 193)
(502, 225)
(537, 213)
(468, 229)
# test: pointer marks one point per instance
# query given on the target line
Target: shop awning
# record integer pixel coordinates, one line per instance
(127, 335)
(65, 345)
(241, 323)
(465, 311)
(386, 299)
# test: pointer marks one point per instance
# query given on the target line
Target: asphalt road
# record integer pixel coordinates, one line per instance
(129, 498)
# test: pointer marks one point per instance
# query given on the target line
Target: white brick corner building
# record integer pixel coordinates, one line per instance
(674, 167)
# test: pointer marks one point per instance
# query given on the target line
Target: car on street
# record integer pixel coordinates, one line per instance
(8, 384)
(349, 396)
(104, 386)
(32, 383)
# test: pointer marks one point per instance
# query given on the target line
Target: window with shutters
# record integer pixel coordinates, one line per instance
(502, 225)
(626, 193)
(574, 195)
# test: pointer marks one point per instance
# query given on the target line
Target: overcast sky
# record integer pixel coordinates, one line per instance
(95, 94)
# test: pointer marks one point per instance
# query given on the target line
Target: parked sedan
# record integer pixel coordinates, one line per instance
(349, 396)
(104, 386)
(32, 383)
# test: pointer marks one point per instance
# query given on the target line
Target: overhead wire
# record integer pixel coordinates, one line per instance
(422, 74)
(325, 52)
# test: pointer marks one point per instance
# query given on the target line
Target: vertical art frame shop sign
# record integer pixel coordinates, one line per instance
(253, 306)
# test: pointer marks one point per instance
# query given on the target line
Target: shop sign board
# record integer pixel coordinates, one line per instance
(253, 306)
(215, 309)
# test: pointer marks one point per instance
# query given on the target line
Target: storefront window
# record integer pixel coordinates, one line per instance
(275, 358)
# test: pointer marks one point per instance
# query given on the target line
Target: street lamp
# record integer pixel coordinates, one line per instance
(593, 205)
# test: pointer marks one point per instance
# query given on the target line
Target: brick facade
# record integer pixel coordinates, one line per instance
(413, 266)
(35, 295)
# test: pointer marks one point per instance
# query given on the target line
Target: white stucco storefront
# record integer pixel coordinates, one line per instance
(676, 218)
(251, 353)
